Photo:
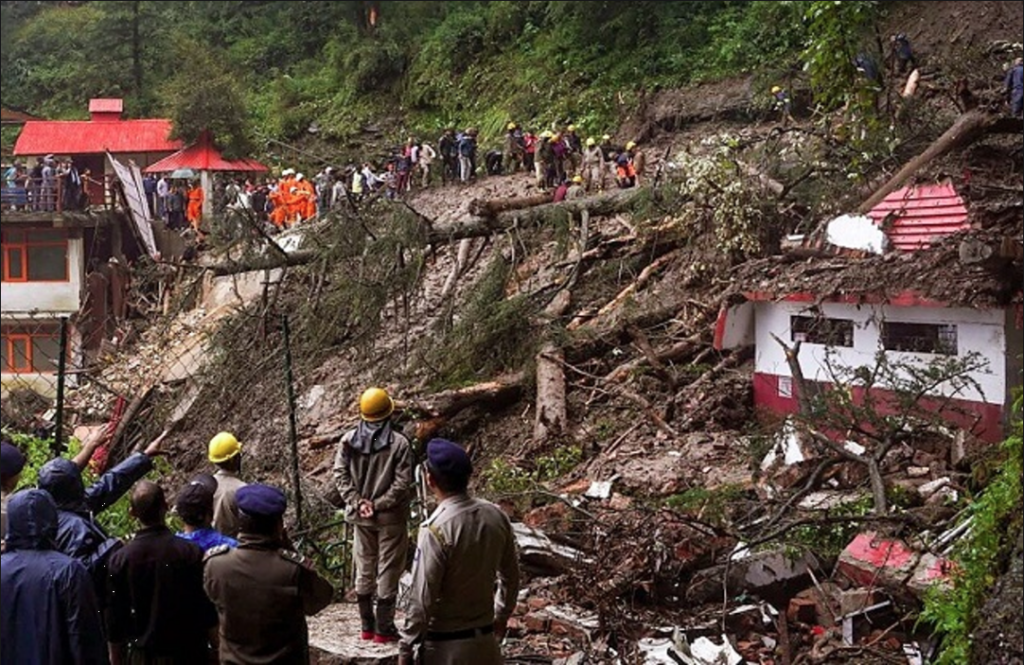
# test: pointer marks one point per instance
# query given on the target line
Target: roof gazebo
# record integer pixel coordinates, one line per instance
(203, 159)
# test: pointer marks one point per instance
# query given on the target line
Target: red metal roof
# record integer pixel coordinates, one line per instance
(921, 215)
(204, 156)
(106, 106)
(88, 137)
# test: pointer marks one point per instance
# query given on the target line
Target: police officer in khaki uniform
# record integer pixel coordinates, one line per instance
(263, 592)
(373, 470)
(453, 616)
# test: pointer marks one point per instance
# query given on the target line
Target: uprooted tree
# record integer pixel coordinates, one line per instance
(860, 414)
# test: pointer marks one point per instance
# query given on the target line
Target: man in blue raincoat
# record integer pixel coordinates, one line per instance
(49, 609)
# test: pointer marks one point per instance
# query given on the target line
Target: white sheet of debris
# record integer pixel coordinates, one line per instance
(857, 232)
(703, 651)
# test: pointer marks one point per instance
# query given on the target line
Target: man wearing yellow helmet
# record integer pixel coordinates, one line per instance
(783, 104)
(225, 452)
(576, 189)
(594, 167)
(373, 472)
(514, 149)
(574, 151)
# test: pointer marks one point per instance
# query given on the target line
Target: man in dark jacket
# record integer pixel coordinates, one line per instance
(159, 613)
(1015, 87)
(263, 592)
(49, 609)
(78, 535)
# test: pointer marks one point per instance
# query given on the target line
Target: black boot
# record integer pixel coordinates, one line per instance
(368, 629)
(386, 631)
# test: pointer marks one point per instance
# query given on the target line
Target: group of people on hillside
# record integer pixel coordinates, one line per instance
(229, 586)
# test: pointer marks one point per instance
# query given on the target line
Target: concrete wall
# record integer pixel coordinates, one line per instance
(983, 332)
(57, 298)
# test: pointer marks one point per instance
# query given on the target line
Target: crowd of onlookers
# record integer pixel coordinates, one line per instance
(50, 185)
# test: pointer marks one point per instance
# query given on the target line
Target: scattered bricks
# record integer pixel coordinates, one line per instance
(578, 487)
(856, 600)
(871, 561)
(537, 622)
(825, 597)
(548, 518)
(537, 603)
(516, 627)
(802, 610)
(918, 472)
(931, 571)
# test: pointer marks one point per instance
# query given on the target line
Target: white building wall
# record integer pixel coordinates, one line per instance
(983, 332)
(18, 299)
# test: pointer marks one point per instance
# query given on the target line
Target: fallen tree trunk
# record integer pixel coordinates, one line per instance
(625, 294)
(450, 402)
(264, 262)
(551, 412)
(494, 207)
(478, 227)
(674, 353)
(968, 128)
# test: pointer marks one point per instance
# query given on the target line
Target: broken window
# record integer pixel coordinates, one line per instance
(34, 255)
(821, 330)
(939, 339)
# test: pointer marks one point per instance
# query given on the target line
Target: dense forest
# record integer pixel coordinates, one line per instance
(281, 70)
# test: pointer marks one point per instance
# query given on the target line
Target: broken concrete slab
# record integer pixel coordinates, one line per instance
(540, 555)
(334, 640)
(872, 561)
(931, 571)
(754, 573)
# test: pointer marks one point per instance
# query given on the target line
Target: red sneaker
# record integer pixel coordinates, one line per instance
(385, 639)
(367, 635)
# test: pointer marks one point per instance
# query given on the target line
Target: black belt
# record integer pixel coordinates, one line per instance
(469, 634)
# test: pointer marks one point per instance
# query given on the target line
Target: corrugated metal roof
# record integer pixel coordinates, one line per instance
(86, 137)
(106, 106)
(204, 156)
(920, 215)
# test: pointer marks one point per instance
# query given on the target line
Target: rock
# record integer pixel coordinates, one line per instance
(334, 640)
(873, 561)
(931, 571)
(541, 556)
(758, 573)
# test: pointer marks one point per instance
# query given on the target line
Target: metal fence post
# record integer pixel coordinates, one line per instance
(293, 433)
(62, 370)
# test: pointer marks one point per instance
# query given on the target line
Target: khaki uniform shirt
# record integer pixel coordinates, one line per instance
(384, 477)
(463, 549)
(225, 509)
(263, 595)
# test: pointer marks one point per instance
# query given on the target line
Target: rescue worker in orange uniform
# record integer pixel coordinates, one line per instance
(194, 211)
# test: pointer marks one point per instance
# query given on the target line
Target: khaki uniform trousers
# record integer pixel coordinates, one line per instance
(482, 650)
(380, 555)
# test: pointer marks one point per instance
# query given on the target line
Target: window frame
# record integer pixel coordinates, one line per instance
(941, 347)
(812, 321)
(10, 337)
(22, 247)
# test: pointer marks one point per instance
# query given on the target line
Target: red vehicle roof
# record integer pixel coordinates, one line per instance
(204, 156)
(920, 215)
(89, 137)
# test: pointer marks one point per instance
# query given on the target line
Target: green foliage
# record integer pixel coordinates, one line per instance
(503, 478)
(837, 31)
(978, 558)
(491, 334)
(713, 506)
(206, 95)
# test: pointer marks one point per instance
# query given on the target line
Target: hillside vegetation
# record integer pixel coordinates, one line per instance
(274, 70)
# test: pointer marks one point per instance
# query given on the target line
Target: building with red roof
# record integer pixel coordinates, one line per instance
(87, 141)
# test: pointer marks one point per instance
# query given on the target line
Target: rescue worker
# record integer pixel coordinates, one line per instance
(78, 534)
(594, 167)
(574, 151)
(263, 592)
(225, 451)
(194, 506)
(576, 189)
(903, 58)
(783, 104)
(373, 471)
(543, 160)
(465, 550)
(159, 613)
(12, 461)
(1015, 87)
(514, 150)
(448, 146)
(50, 612)
(194, 211)
(639, 160)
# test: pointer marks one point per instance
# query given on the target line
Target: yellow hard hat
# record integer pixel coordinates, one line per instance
(223, 447)
(511, 126)
(606, 137)
(591, 142)
(630, 145)
(571, 128)
(578, 179)
(776, 90)
(555, 138)
(375, 405)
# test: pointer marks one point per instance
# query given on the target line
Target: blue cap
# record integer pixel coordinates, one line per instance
(449, 460)
(261, 501)
(12, 461)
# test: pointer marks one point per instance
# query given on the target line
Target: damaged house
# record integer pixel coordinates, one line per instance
(941, 287)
